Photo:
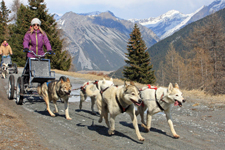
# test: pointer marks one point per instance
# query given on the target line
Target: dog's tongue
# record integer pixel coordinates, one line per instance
(139, 104)
(176, 103)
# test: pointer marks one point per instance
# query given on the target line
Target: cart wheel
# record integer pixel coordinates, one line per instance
(11, 87)
(19, 90)
(15, 67)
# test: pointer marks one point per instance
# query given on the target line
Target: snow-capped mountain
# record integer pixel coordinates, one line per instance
(57, 16)
(172, 21)
(99, 41)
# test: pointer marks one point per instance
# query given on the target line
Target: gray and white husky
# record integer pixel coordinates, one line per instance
(116, 100)
(157, 100)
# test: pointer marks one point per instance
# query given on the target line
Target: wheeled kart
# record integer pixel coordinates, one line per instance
(36, 71)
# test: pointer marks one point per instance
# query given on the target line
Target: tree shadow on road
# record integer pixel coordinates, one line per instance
(130, 125)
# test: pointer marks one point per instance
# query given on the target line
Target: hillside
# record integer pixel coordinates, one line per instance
(159, 50)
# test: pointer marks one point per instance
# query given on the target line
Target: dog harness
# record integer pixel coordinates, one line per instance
(47, 83)
(121, 107)
(101, 92)
(155, 88)
(82, 88)
(158, 102)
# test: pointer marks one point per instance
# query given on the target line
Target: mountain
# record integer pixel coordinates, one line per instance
(172, 21)
(98, 42)
(166, 22)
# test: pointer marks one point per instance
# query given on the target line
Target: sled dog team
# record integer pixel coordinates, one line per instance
(115, 100)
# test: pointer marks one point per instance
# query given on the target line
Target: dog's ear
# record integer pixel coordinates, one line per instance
(176, 86)
(132, 83)
(61, 80)
(67, 80)
(103, 81)
(111, 79)
(170, 88)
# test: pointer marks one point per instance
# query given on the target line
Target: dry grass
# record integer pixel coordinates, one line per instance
(193, 95)
(201, 97)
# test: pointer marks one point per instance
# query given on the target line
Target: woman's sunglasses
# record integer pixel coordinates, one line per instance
(36, 24)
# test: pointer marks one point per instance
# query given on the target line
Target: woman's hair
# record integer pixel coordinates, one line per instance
(32, 29)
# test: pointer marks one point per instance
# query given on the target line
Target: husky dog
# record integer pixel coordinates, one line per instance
(116, 100)
(93, 90)
(5, 70)
(157, 100)
(55, 90)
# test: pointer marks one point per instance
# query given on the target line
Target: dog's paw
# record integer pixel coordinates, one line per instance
(56, 112)
(80, 106)
(176, 136)
(53, 115)
(100, 120)
(141, 138)
(94, 113)
(68, 118)
(111, 132)
(145, 127)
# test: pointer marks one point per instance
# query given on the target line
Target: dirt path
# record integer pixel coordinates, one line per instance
(29, 126)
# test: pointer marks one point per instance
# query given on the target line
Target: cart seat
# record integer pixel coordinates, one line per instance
(40, 68)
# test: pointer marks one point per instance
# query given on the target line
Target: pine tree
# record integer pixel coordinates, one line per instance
(17, 32)
(61, 60)
(37, 9)
(139, 68)
(4, 19)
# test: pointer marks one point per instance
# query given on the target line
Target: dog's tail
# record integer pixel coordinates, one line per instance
(91, 90)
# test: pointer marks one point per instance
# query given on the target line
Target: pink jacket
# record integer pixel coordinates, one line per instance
(35, 43)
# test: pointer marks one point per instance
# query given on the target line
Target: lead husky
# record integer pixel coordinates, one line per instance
(93, 90)
(116, 100)
(55, 90)
(157, 100)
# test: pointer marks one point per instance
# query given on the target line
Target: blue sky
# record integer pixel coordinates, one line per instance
(126, 9)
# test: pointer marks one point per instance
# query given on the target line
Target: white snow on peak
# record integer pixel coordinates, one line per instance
(218, 4)
(155, 20)
(178, 27)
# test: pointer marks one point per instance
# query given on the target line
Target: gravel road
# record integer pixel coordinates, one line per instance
(29, 126)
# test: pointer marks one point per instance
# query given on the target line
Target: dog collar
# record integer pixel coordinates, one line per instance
(121, 107)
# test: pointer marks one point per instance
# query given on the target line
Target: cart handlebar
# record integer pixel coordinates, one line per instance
(40, 56)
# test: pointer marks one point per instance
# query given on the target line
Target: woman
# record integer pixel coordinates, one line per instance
(5, 49)
(35, 39)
